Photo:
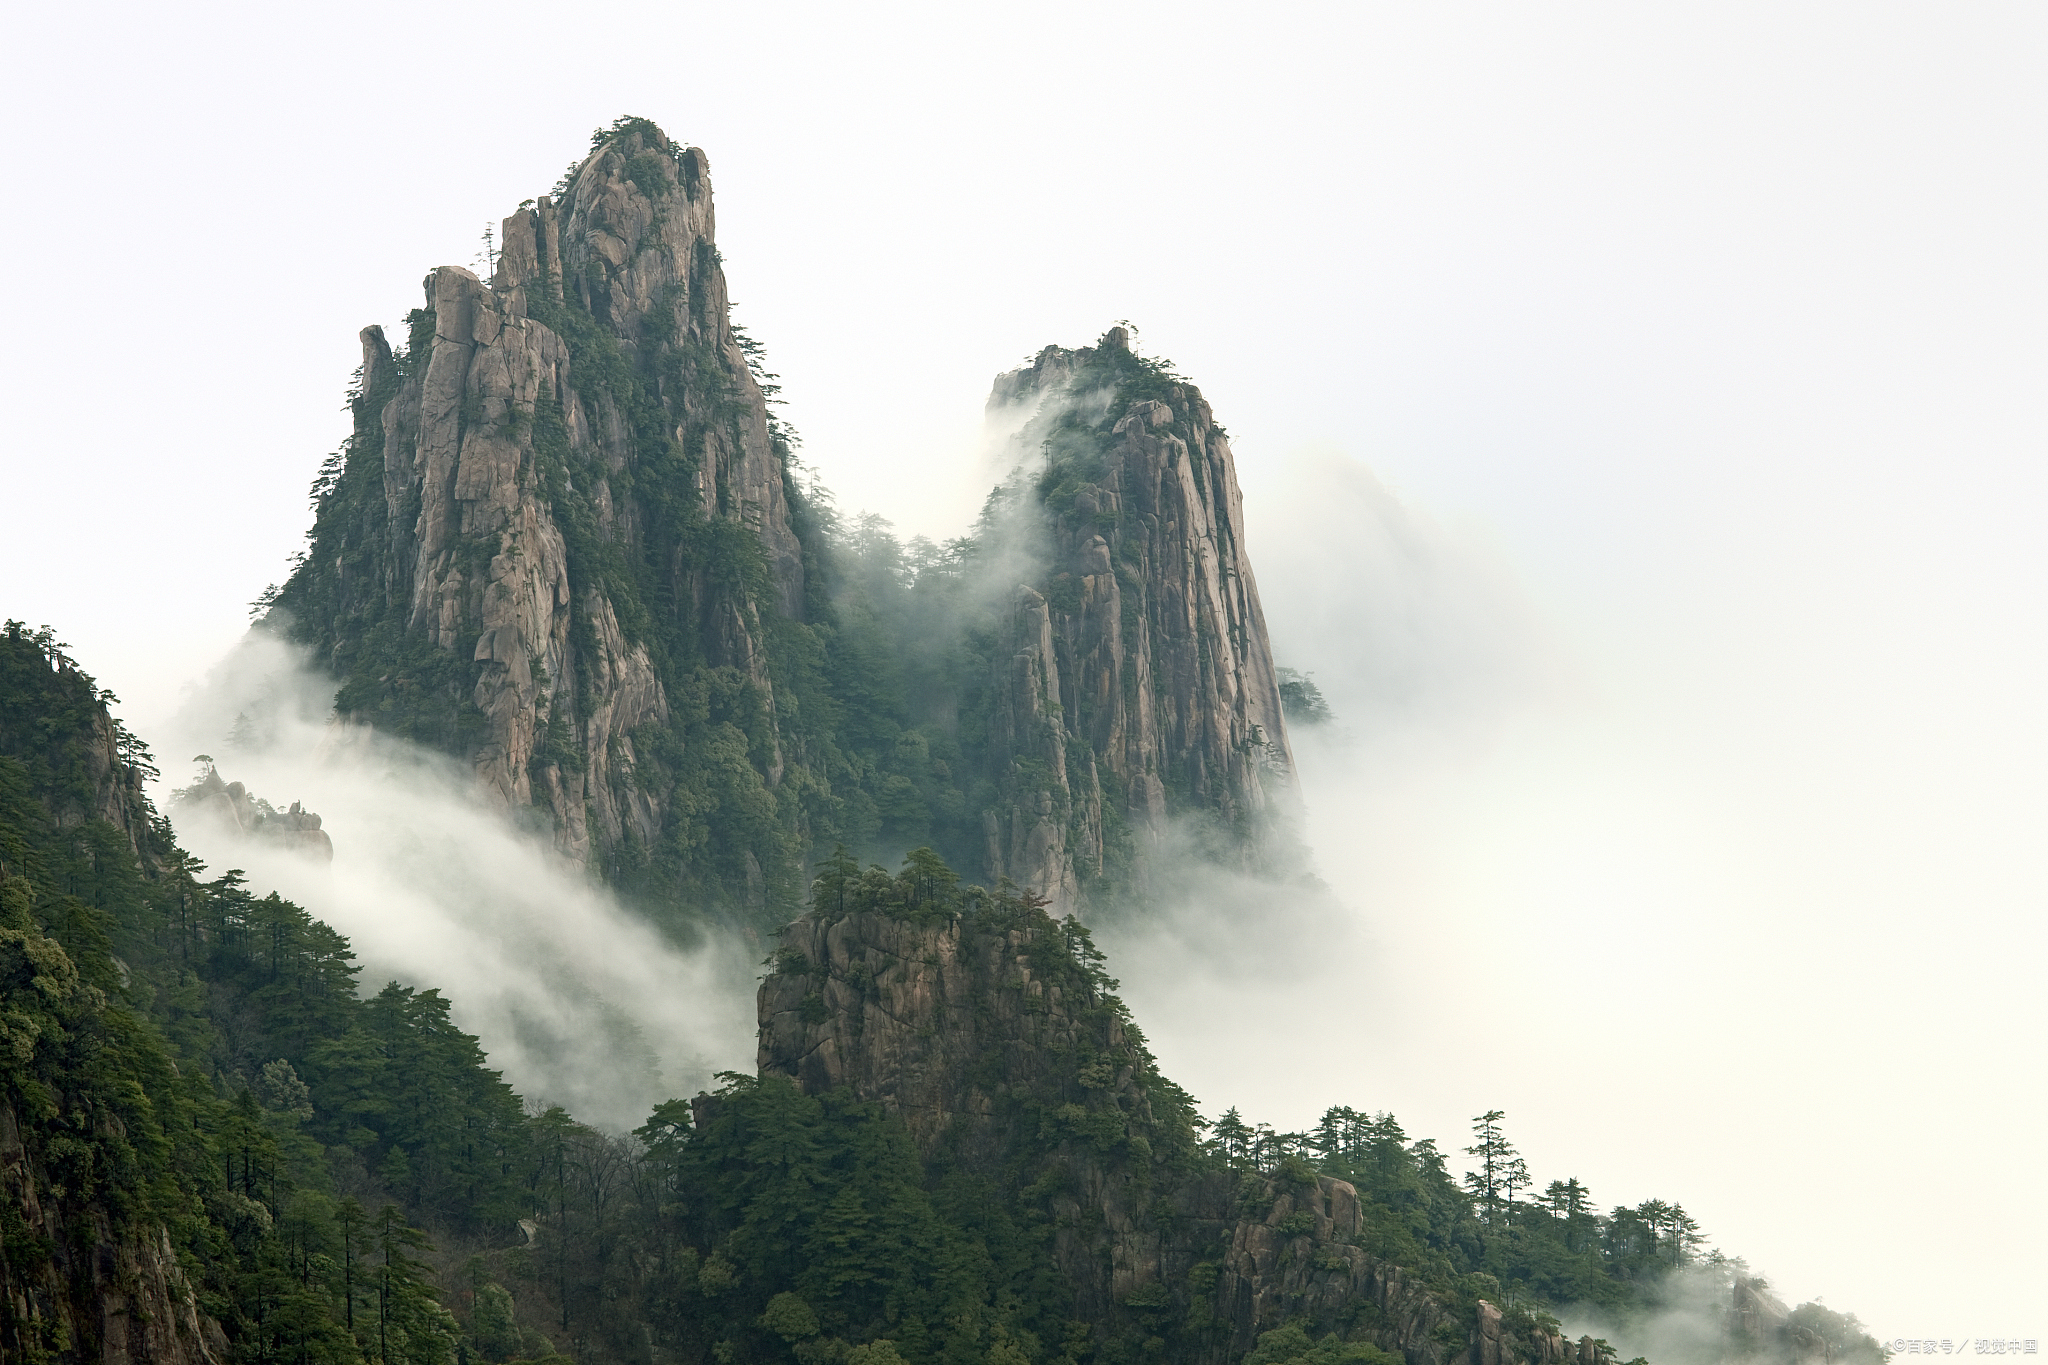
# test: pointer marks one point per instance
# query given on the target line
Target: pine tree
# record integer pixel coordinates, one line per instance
(412, 1326)
(1566, 1198)
(1233, 1139)
(836, 878)
(1501, 1170)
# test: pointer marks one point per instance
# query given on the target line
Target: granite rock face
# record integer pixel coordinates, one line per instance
(565, 544)
(1137, 683)
(933, 1022)
(507, 465)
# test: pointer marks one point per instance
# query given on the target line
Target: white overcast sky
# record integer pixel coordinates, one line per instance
(1714, 332)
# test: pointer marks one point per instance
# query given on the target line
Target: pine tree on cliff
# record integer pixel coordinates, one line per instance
(1501, 1169)
(1233, 1138)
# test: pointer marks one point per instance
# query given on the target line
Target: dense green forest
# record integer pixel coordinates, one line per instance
(343, 1178)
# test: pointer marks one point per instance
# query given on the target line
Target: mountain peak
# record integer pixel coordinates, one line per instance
(565, 544)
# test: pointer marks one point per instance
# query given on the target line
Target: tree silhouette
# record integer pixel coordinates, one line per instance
(1233, 1139)
(1501, 1169)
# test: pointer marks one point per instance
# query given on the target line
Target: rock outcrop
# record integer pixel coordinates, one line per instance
(234, 807)
(94, 771)
(1760, 1329)
(529, 521)
(1137, 683)
(1000, 1051)
(564, 544)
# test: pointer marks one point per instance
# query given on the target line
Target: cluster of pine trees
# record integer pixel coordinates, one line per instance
(1555, 1249)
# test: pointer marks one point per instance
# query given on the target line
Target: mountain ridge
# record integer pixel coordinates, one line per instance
(566, 543)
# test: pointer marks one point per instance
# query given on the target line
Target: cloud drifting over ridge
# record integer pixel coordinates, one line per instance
(576, 999)
(1285, 996)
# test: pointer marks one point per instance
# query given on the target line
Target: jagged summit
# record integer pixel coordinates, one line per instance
(565, 544)
(1147, 640)
(537, 491)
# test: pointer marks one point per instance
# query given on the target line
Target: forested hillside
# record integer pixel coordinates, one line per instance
(191, 1067)
(217, 1144)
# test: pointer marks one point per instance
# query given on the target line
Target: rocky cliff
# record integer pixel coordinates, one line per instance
(564, 499)
(235, 809)
(103, 1292)
(564, 543)
(1758, 1327)
(1136, 683)
(83, 766)
(993, 1037)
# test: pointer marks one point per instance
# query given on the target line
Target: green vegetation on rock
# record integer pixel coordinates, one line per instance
(188, 1066)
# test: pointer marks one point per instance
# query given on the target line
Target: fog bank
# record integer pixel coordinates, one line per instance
(1711, 894)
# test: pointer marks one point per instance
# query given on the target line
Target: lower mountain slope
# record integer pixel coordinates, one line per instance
(989, 1031)
(212, 1148)
(215, 1147)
